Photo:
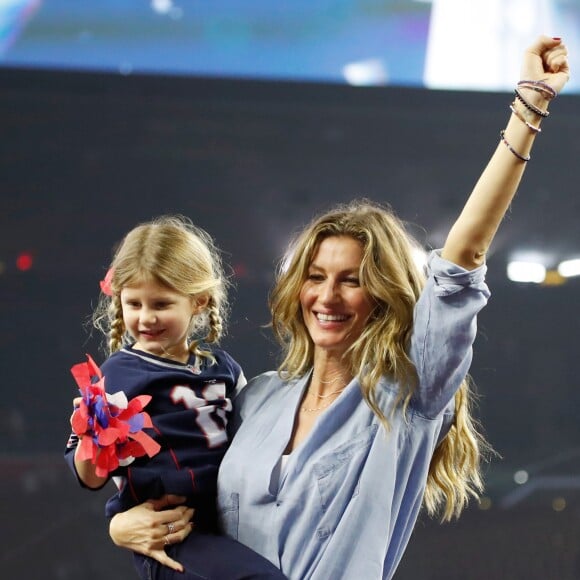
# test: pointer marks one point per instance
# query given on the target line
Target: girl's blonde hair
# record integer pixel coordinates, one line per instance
(391, 276)
(171, 251)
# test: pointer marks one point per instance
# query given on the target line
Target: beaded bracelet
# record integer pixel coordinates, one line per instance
(533, 128)
(530, 106)
(540, 87)
(518, 155)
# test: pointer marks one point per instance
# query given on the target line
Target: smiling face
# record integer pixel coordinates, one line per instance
(334, 305)
(158, 318)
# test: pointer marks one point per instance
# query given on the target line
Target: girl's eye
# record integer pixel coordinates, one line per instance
(316, 277)
(352, 281)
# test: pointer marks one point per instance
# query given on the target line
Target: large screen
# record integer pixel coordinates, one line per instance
(446, 44)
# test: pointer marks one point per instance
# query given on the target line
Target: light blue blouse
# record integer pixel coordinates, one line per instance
(346, 502)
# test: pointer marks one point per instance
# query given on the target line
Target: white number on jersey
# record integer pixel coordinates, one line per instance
(214, 431)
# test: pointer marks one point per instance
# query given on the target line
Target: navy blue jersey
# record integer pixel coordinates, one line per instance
(190, 407)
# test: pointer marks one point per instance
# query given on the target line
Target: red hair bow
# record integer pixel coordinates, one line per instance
(106, 283)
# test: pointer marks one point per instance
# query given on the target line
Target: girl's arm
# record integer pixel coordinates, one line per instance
(471, 235)
(86, 472)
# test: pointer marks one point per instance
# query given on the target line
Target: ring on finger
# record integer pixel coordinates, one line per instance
(171, 527)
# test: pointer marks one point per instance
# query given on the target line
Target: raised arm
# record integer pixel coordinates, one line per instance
(545, 66)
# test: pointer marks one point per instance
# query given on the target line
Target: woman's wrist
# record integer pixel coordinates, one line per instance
(533, 98)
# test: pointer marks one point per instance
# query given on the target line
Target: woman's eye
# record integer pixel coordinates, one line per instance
(315, 277)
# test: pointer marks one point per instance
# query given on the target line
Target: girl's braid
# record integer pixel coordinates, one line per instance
(215, 322)
(117, 329)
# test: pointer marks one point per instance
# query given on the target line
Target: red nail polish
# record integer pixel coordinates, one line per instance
(556, 38)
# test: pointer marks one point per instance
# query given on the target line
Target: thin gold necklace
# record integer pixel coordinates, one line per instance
(327, 394)
(313, 409)
(329, 382)
(338, 377)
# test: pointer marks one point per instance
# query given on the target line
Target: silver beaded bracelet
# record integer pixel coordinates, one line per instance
(518, 155)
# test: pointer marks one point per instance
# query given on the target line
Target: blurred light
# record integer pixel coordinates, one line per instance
(558, 504)
(366, 73)
(240, 270)
(526, 272)
(569, 268)
(521, 476)
(491, 33)
(161, 6)
(24, 261)
(553, 278)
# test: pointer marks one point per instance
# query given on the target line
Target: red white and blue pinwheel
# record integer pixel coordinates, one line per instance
(110, 427)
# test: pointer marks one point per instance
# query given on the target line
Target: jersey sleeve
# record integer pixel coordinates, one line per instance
(445, 327)
(238, 379)
(240, 384)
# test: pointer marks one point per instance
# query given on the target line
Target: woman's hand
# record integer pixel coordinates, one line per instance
(152, 525)
(547, 60)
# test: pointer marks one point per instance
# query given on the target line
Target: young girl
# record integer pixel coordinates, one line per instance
(162, 310)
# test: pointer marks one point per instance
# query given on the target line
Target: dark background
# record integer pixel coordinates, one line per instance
(86, 156)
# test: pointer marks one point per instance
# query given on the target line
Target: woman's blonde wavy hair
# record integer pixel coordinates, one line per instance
(171, 251)
(390, 275)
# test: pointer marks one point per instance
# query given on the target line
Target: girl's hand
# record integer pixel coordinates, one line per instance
(76, 405)
(152, 525)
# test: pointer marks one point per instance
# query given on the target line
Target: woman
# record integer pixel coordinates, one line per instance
(368, 415)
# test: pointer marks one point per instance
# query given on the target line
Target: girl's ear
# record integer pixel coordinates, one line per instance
(199, 303)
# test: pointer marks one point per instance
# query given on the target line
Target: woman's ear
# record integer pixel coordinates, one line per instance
(199, 303)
